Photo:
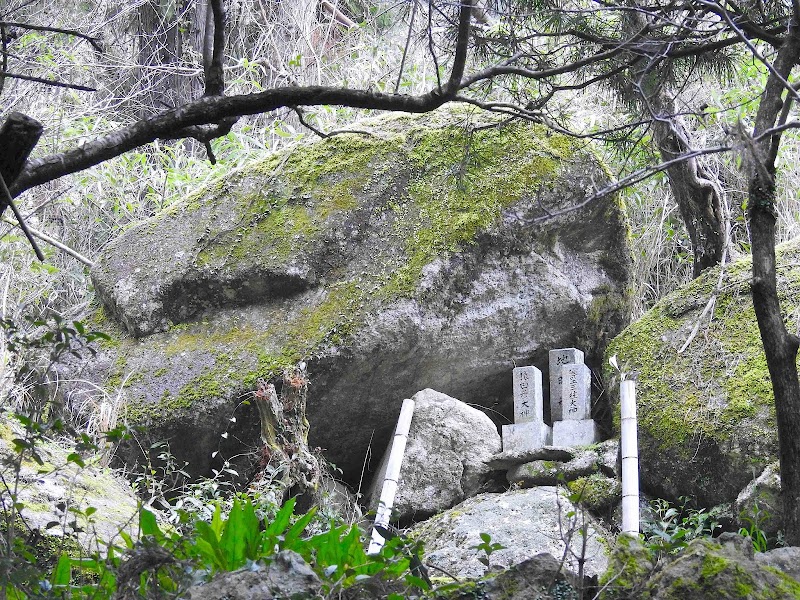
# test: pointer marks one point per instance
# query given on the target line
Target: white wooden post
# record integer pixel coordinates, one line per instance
(630, 459)
(389, 489)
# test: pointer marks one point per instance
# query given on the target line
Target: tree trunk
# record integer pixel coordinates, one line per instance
(780, 346)
(695, 190)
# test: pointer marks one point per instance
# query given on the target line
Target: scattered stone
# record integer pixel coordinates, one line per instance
(448, 446)
(559, 358)
(597, 493)
(608, 454)
(546, 472)
(525, 522)
(287, 576)
(760, 502)
(511, 458)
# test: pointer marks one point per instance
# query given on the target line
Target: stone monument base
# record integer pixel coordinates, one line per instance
(526, 437)
(575, 432)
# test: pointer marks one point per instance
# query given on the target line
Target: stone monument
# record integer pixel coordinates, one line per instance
(571, 399)
(529, 431)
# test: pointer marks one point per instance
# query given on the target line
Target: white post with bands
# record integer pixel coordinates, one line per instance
(389, 489)
(630, 459)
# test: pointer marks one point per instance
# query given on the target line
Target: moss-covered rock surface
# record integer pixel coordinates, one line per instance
(389, 262)
(706, 410)
(706, 570)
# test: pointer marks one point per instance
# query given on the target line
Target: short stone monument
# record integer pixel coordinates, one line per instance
(529, 431)
(558, 359)
(576, 427)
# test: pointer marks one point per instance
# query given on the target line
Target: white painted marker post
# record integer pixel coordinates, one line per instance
(630, 459)
(384, 512)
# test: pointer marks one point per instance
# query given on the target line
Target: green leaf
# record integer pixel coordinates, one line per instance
(240, 539)
(148, 524)
(62, 574)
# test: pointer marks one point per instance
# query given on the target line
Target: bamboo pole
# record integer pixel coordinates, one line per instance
(392, 476)
(630, 459)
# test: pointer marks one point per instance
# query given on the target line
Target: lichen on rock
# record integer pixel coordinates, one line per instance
(706, 413)
(390, 263)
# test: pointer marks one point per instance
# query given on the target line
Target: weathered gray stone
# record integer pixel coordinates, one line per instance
(448, 445)
(544, 472)
(576, 392)
(785, 559)
(526, 437)
(511, 458)
(559, 358)
(706, 415)
(528, 401)
(287, 577)
(760, 502)
(539, 578)
(526, 522)
(42, 489)
(705, 570)
(365, 257)
(571, 432)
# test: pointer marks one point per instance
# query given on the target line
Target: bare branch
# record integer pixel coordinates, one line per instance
(5, 197)
(95, 42)
(53, 242)
(52, 82)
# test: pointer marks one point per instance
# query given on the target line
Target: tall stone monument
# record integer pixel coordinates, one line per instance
(529, 431)
(571, 399)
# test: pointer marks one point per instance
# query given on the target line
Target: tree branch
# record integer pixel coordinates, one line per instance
(188, 120)
(95, 42)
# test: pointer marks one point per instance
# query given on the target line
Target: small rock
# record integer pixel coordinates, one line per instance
(760, 502)
(448, 445)
(524, 522)
(784, 559)
(507, 460)
(541, 577)
(288, 576)
(546, 472)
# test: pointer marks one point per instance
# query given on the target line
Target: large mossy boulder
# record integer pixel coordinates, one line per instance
(706, 409)
(707, 569)
(436, 252)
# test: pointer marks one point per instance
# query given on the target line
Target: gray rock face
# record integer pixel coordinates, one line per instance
(78, 488)
(526, 522)
(539, 578)
(760, 502)
(287, 576)
(786, 560)
(448, 445)
(388, 263)
(706, 414)
(705, 570)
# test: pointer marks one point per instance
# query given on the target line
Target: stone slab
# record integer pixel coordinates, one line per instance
(522, 437)
(511, 458)
(574, 433)
(576, 392)
(559, 358)
(528, 403)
